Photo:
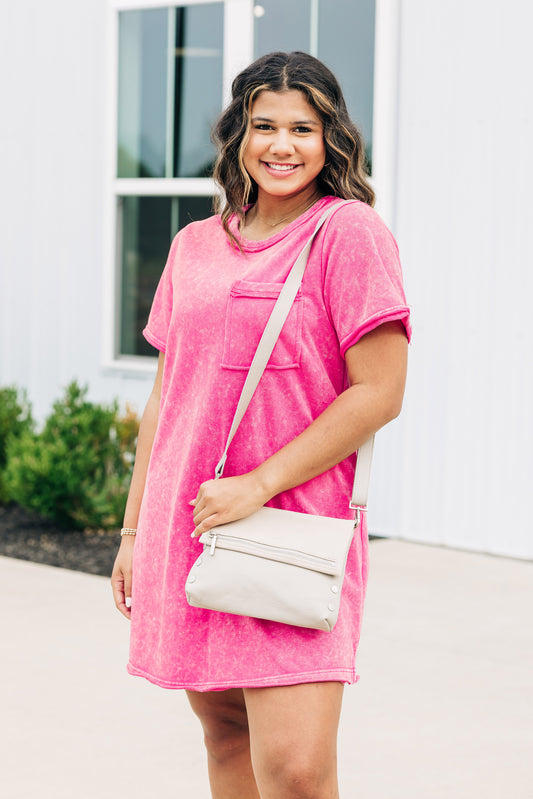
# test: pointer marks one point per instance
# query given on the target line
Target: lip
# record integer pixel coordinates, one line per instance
(280, 173)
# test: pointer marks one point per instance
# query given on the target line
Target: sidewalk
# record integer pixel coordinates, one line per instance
(444, 707)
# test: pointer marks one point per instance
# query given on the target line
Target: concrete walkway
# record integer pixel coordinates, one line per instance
(443, 709)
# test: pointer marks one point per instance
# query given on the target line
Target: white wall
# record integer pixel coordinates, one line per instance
(463, 220)
(456, 468)
(54, 78)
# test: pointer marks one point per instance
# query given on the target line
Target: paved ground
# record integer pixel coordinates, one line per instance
(443, 709)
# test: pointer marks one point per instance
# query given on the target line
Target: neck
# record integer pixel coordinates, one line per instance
(269, 212)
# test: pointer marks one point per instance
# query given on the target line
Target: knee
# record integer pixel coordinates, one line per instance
(299, 775)
(225, 732)
(225, 738)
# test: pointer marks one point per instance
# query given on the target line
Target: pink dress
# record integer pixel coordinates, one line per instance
(209, 310)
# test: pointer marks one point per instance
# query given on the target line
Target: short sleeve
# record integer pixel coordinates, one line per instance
(363, 285)
(156, 330)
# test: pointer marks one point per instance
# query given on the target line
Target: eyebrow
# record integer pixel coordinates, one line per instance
(298, 122)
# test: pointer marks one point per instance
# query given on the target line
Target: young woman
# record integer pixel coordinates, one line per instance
(268, 695)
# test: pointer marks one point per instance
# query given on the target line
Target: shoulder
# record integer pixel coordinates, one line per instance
(199, 240)
(203, 230)
(356, 241)
(355, 221)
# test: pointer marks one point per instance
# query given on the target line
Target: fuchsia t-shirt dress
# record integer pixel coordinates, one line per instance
(210, 308)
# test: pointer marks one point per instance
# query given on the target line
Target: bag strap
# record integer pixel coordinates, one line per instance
(262, 355)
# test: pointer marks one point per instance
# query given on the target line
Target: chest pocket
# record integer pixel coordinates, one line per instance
(249, 307)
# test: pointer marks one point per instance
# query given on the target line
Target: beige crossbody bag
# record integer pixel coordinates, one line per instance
(277, 564)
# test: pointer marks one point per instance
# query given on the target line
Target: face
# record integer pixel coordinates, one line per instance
(285, 152)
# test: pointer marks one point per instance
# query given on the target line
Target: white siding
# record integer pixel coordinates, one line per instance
(456, 468)
(54, 75)
(464, 215)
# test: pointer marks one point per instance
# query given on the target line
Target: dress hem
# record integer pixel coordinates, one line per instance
(343, 675)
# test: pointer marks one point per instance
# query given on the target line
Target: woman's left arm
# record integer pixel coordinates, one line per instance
(377, 367)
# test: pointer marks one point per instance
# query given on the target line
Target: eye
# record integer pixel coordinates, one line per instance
(262, 126)
(302, 129)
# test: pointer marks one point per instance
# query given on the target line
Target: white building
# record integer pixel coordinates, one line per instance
(106, 108)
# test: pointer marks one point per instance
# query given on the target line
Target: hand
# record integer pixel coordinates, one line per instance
(226, 500)
(121, 576)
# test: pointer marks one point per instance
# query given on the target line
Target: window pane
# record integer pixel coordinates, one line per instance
(170, 90)
(339, 32)
(346, 34)
(146, 228)
(282, 25)
(142, 93)
(198, 87)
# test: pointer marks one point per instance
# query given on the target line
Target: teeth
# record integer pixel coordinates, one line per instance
(283, 167)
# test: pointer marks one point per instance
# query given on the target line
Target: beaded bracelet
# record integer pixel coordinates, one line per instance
(128, 531)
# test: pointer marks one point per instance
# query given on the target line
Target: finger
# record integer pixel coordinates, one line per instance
(127, 588)
(200, 514)
(200, 492)
(200, 498)
(125, 610)
(205, 525)
(117, 586)
(119, 595)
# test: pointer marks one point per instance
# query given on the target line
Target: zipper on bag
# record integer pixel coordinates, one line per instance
(257, 548)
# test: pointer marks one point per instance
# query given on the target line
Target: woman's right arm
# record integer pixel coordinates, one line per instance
(122, 570)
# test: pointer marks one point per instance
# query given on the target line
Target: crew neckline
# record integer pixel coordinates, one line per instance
(262, 244)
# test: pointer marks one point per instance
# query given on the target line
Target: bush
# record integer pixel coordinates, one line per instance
(77, 469)
(15, 419)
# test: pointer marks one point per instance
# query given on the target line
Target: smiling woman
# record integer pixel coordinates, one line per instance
(288, 152)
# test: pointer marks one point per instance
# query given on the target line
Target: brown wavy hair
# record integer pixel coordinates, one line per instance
(344, 174)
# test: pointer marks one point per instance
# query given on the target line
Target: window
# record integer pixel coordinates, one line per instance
(174, 66)
(170, 91)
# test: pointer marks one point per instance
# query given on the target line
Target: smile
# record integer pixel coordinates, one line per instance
(281, 167)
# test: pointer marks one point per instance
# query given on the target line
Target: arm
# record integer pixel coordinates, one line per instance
(376, 369)
(122, 570)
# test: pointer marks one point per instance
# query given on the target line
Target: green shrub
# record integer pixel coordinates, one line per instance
(15, 419)
(77, 469)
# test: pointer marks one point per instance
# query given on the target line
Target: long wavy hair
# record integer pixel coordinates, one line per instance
(344, 174)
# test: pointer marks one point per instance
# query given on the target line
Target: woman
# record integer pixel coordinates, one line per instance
(268, 695)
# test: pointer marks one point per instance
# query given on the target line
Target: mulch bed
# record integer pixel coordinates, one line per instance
(28, 536)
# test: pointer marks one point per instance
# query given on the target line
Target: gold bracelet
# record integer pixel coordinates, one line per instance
(128, 531)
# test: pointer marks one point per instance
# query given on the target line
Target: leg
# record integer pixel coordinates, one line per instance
(225, 725)
(293, 735)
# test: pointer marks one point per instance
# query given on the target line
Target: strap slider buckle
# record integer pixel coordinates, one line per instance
(219, 469)
(359, 509)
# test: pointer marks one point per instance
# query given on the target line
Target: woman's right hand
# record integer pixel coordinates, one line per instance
(121, 576)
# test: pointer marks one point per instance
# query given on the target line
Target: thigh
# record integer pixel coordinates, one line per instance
(300, 719)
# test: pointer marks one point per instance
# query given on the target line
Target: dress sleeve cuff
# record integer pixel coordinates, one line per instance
(154, 340)
(390, 315)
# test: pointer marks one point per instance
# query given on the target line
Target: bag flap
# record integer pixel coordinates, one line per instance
(308, 537)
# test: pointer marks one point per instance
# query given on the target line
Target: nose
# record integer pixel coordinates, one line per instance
(282, 143)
